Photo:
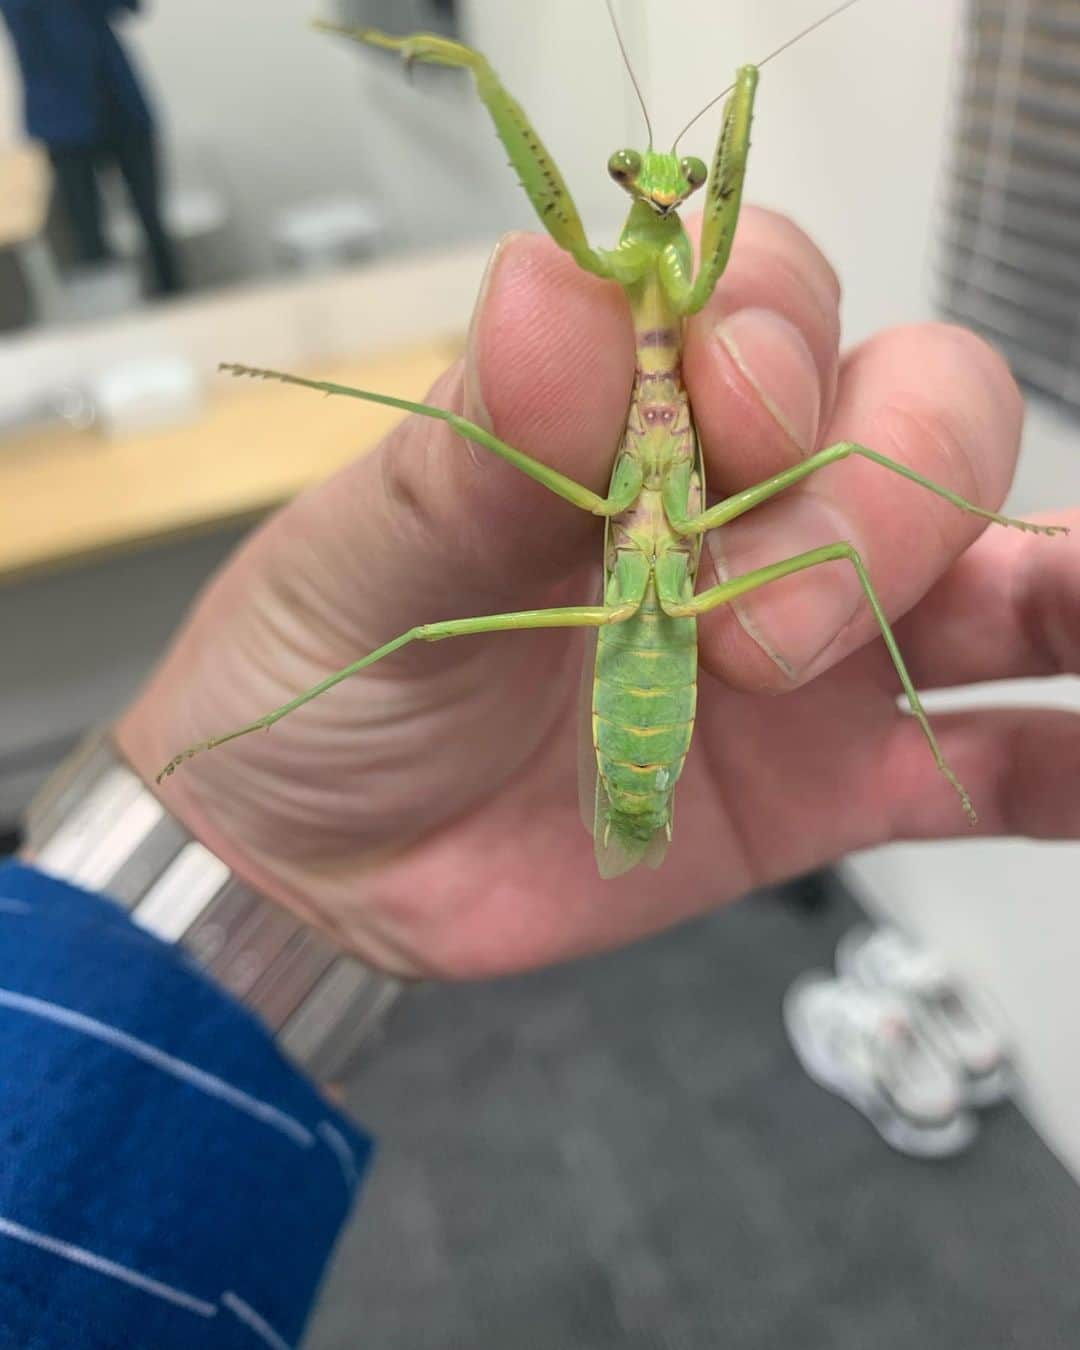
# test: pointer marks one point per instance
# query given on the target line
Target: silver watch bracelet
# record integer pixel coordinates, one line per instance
(95, 824)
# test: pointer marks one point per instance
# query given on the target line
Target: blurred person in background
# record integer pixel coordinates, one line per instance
(84, 103)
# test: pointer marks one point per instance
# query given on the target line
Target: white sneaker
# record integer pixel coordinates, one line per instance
(884, 958)
(864, 1045)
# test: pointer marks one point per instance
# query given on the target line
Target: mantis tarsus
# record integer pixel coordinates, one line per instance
(645, 677)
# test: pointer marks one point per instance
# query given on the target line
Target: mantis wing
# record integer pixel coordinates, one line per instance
(611, 858)
(616, 854)
(588, 778)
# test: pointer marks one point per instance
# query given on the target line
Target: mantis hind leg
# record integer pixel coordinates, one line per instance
(673, 587)
(577, 616)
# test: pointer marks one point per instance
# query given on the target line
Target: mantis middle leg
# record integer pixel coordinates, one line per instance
(741, 502)
(625, 486)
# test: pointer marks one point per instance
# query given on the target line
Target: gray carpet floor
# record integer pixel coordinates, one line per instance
(625, 1153)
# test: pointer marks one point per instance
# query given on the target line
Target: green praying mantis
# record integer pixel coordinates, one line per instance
(644, 685)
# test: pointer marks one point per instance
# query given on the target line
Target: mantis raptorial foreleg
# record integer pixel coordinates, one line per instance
(723, 197)
(551, 198)
(538, 172)
(672, 582)
(740, 502)
(625, 486)
(632, 576)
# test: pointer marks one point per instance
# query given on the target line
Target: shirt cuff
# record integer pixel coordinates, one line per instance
(167, 1177)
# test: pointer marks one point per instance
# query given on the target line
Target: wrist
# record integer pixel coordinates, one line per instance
(254, 812)
(212, 809)
(97, 825)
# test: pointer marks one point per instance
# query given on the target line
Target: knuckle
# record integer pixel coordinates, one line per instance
(777, 231)
(402, 483)
(980, 363)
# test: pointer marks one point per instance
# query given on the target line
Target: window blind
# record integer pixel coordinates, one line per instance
(1010, 265)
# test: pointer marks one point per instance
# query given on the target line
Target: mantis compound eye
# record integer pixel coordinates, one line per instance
(694, 171)
(624, 166)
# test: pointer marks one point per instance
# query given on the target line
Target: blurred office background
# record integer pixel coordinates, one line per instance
(334, 216)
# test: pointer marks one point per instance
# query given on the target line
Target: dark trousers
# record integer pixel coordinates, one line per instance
(134, 152)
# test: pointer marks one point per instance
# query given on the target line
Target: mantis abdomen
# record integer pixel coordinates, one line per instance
(644, 697)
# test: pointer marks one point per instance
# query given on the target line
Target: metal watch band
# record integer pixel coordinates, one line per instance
(95, 824)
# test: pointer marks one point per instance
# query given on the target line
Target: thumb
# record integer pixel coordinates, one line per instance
(548, 369)
(430, 526)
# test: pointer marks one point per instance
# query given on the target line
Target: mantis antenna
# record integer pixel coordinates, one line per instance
(629, 68)
(818, 23)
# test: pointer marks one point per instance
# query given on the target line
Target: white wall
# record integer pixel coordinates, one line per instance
(849, 126)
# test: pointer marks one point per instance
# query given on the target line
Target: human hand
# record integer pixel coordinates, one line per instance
(425, 812)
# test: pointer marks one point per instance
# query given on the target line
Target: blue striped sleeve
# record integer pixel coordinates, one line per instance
(167, 1179)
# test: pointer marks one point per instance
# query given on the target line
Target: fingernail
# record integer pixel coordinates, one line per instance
(475, 408)
(773, 355)
(796, 619)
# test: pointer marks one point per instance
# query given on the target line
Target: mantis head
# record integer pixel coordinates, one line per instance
(662, 181)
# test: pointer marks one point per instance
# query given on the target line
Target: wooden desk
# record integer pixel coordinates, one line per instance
(66, 497)
(24, 194)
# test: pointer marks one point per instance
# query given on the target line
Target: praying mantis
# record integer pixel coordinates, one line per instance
(643, 689)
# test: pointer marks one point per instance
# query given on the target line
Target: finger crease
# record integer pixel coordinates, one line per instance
(1037, 615)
